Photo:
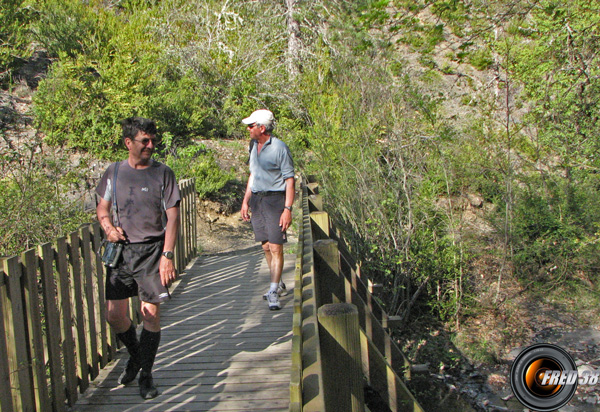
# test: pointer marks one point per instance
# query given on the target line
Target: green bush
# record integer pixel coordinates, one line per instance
(75, 109)
(180, 104)
(35, 205)
(15, 18)
(554, 241)
(107, 70)
(195, 161)
(481, 59)
(71, 28)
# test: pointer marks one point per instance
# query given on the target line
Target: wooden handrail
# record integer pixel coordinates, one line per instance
(52, 323)
(327, 274)
(307, 366)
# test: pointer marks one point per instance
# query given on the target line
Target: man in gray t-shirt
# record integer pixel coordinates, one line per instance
(269, 195)
(145, 218)
(143, 196)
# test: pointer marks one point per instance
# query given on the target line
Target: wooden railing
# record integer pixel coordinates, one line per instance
(340, 333)
(54, 337)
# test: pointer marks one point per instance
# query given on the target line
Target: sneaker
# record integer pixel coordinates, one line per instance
(273, 300)
(147, 388)
(129, 374)
(281, 290)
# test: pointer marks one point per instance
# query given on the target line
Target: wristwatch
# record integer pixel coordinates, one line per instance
(168, 254)
(288, 208)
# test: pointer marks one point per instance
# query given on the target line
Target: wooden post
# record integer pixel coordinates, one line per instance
(320, 225)
(328, 251)
(340, 343)
(34, 324)
(53, 335)
(315, 203)
(6, 400)
(195, 218)
(183, 207)
(22, 358)
(106, 338)
(327, 260)
(90, 303)
(63, 294)
(134, 312)
(77, 302)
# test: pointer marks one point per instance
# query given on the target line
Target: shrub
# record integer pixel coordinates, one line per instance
(14, 23)
(35, 201)
(554, 241)
(195, 161)
(481, 59)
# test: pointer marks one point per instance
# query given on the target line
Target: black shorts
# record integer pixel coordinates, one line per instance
(266, 212)
(137, 273)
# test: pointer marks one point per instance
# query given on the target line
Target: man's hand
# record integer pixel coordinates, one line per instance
(285, 220)
(245, 212)
(115, 234)
(167, 271)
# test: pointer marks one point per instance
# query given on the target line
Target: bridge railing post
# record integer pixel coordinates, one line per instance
(340, 343)
(327, 263)
(320, 225)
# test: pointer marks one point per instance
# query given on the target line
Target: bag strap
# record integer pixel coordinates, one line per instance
(115, 208)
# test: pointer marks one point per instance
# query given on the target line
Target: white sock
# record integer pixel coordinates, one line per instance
(273, 287)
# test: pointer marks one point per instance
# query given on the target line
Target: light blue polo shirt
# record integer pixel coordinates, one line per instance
(271, 167)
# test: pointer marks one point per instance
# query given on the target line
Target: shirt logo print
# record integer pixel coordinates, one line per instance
(144, 189)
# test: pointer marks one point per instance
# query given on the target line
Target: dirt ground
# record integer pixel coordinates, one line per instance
(220, 232)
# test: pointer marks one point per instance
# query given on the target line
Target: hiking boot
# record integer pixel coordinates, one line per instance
(147, 388)
(281, 290)
(273, 300)
(131, 370)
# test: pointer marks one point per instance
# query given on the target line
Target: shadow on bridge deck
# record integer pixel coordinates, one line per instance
(221, 348)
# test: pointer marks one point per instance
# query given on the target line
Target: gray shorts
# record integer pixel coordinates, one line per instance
(266, 212)
(137, 273)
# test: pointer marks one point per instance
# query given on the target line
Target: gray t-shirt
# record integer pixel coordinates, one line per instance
(143, 195)
(271, 167)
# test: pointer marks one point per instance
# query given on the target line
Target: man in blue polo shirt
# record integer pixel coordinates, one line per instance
(269, 195)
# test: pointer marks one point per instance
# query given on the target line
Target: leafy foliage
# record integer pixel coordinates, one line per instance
(15, 18)
(36, 204)
(402, 109)
(195, 161)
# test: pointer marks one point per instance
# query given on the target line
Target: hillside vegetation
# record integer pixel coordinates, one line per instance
(456, 141)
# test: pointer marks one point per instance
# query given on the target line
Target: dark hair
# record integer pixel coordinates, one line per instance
(132, 125)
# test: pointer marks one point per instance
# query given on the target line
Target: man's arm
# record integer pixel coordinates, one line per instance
(286, 217)
(246, 201)
(113, 234)
(167, 266)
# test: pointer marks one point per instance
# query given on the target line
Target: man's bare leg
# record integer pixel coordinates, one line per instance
(267, 250)
(276, 266)
(274, 257)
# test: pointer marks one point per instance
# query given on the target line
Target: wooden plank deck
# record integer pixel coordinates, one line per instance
(221, 348)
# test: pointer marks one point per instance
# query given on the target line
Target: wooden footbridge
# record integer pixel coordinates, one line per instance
(221, 348)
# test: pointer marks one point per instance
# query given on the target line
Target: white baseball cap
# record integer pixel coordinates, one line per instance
(264, 117)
